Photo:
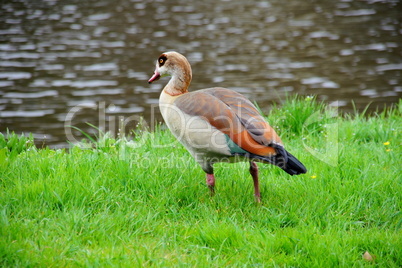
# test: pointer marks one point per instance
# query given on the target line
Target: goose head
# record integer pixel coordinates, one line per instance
(175, 65)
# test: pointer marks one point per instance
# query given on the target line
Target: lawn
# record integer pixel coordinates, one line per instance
(143, 201)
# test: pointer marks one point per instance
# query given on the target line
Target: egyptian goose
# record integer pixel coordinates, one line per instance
(218, 124)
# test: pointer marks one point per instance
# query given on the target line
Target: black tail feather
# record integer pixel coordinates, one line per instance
(294, 166)
(283, 159)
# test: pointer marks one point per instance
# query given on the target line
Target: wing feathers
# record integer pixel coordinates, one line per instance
(234, 115)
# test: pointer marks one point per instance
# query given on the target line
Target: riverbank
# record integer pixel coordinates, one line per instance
(144, 202)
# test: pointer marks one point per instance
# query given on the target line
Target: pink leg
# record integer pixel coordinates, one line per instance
(254, 174)
(211, 183)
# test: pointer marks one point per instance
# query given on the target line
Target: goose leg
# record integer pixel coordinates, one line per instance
(254, 174)
(211, 183)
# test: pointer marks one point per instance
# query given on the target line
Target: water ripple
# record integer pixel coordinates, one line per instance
(19, 55)
(30, 95)
(389, 67)
(37, 113)
(96, 92)
(359, 12)
(108, 66)
(15, 75)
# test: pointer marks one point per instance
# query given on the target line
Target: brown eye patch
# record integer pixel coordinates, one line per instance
(162, 59)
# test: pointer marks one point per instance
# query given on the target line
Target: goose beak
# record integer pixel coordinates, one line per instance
(155, 77)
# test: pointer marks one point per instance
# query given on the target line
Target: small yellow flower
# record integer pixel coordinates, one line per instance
(313, 177)
(386, 143)
(388, 150)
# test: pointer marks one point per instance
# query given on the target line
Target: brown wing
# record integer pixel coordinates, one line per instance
(234, 115)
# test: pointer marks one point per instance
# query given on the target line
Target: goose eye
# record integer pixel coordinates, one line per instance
(162, 59)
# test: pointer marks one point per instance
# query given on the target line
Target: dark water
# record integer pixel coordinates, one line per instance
(71, 62)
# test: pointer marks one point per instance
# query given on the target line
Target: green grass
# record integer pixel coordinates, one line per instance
(144, 202)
